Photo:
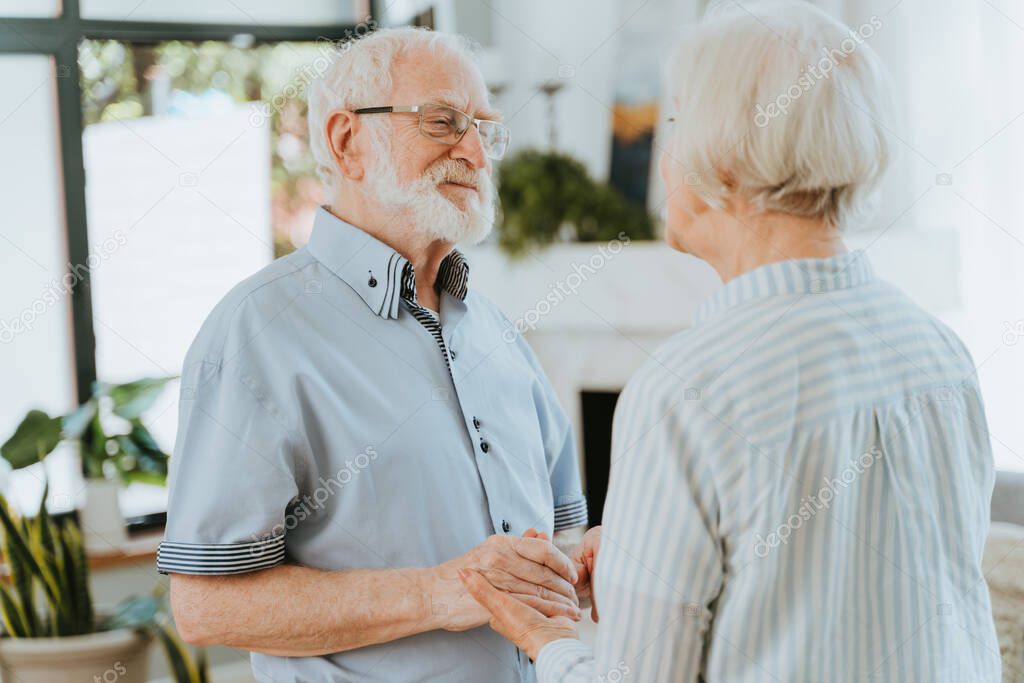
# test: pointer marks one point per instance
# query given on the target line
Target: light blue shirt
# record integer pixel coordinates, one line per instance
(323, 423)
(799, 492)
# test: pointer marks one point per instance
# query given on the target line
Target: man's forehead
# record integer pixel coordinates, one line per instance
(452, 82)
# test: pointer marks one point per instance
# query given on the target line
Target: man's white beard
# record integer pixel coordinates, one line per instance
(431, 213)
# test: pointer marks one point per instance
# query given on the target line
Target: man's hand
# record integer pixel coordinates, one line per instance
(520, 623)
(530, 570)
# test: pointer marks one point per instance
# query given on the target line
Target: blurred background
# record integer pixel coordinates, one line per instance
(155, 153)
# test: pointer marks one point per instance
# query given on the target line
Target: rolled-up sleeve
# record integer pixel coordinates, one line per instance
(231, 476)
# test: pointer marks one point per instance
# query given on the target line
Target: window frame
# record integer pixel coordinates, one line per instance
(58, 37)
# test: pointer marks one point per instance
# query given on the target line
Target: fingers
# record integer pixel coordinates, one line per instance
(541, 576)
(549, 608)
(498, 603)
(543, 552)
(511, 584)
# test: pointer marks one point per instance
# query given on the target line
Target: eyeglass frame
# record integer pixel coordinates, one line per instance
(418, 109)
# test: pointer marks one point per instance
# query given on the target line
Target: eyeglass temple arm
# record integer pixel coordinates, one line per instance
(374, 110)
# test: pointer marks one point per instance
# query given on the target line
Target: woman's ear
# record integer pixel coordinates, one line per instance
(340, 129)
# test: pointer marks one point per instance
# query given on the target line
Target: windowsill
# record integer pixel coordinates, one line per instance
(140, 548)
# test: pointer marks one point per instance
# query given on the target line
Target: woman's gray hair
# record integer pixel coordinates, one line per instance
(784, 106)
(359, 75)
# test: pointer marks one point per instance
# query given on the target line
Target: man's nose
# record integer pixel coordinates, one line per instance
(471, 149)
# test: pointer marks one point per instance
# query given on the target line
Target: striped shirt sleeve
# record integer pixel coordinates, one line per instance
(659, 570)
(230, 479)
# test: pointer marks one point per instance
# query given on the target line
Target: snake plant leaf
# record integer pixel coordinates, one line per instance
(180, 661)
(35, 437)
(201, 666)
(131, 400)
(80, 597)
(15, 548)
(11, 615)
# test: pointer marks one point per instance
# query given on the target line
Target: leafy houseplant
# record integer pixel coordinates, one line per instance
(112, 440)
(130, 451)
(61, 638)
(542, 192)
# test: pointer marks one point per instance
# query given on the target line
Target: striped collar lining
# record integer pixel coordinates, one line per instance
(795, 276)
(377, 273)
(452, 277)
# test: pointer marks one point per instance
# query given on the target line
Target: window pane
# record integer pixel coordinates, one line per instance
(35, 347)
(30, 8)
(253, 12)
(198, 174)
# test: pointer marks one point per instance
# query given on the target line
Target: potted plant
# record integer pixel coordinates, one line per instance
(114, 445)
(60, 638)
(547, 197)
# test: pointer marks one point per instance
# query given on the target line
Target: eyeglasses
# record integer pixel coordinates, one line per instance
(448, 125)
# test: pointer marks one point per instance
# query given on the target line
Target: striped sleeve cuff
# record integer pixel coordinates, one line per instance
(231, 558)
(571, 514)
(560, 658)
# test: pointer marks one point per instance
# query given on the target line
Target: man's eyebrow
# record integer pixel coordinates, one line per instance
(452, 99)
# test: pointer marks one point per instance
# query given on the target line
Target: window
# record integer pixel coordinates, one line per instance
(156, 162)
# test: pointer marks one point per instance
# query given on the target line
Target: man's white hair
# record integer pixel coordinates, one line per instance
(785, 106)
(359, 75)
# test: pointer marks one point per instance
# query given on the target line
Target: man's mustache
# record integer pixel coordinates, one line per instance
(452, 171)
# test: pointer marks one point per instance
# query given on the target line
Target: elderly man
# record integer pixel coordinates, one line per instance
(354, 428)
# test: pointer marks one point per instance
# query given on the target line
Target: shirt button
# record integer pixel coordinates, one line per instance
(451, 352)
(505, 526)
(476, 423)
(484, 446)
(372, 281)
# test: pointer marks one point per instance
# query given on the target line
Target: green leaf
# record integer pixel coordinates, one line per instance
(36, 436)
(180, 661)
(77, 422)
(138, 477)
(136, 612)
(131, 400)
(10, 614)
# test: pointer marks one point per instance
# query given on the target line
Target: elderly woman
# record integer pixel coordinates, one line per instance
(801, 481)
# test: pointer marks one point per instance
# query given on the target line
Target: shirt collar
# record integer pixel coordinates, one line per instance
(379, 275)
(795, 276)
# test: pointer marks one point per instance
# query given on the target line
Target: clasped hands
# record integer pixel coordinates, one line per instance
(527, 589)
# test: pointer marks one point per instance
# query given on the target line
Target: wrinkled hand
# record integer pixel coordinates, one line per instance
(517, 621)
(584, 559)
(530, 570)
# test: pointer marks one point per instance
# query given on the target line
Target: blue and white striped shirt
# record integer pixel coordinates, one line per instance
(800, 492)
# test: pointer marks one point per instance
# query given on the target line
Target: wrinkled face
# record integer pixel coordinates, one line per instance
(445, 189)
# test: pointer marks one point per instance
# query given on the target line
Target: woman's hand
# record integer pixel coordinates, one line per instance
(527, 628)
(584, 558)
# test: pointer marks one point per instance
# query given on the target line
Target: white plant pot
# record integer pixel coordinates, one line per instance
(101, 520)
(119, 655)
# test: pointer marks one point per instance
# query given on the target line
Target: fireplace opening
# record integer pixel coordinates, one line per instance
(597, 409)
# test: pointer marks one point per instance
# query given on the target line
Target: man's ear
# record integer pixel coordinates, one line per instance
(340, 128)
